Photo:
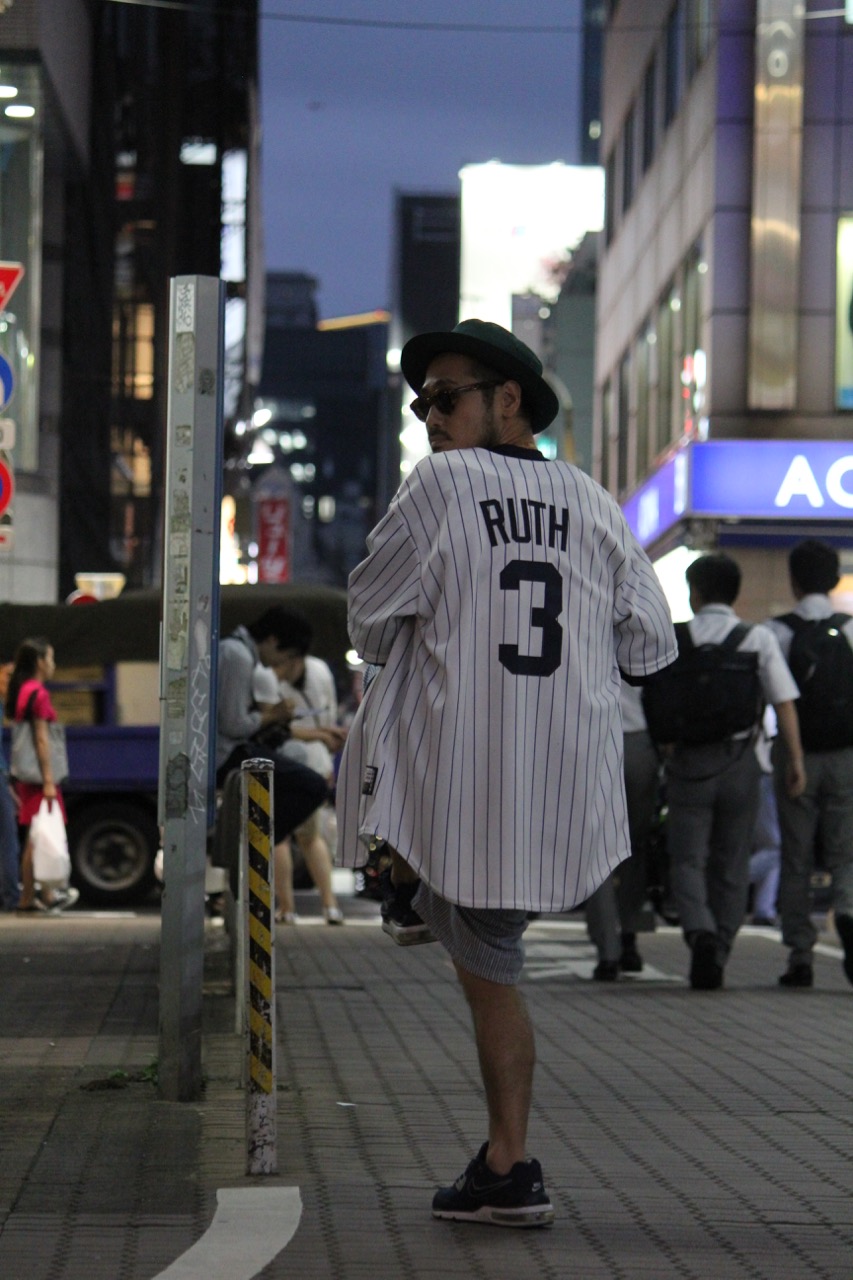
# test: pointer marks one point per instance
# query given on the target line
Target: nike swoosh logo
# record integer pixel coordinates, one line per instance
(490, 1186)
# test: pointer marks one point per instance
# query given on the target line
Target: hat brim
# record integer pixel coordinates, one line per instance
(424, 347)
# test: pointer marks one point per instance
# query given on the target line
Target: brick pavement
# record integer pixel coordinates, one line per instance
(697, 1136)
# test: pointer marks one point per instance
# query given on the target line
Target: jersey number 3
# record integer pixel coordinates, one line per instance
(544, 616)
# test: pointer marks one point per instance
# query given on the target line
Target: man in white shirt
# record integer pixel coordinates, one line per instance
(713, 789)
(826, 804)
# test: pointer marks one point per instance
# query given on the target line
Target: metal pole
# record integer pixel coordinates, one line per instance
(259, 908)
(188, 651)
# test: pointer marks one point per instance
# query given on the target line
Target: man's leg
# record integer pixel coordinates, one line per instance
(798, 820)
(728, 864)
(506, 1049)
(284, 881)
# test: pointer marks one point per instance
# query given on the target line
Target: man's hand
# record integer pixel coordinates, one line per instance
(333, 737)
(278, 712)
(795, 778)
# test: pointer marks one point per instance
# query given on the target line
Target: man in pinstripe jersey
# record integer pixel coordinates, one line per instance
(502, 595)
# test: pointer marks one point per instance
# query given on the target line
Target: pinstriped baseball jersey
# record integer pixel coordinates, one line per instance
(501, 593)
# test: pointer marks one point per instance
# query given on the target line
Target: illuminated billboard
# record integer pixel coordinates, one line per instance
(520, 223)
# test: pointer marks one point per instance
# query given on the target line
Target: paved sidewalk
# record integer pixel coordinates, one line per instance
(692, 1136)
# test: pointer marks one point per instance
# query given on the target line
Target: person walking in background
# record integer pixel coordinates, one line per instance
(766, 856)
(27, 700)
(713, 786)
(501, 595)
(817, 642)
(613, 912)
(307, 685)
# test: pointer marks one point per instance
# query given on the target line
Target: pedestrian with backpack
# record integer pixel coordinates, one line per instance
(817, 642)
(703, 712)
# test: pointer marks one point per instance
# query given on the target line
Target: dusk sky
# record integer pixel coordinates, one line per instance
(352, 113)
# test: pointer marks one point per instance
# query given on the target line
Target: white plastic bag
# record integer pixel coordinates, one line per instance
(51, 860)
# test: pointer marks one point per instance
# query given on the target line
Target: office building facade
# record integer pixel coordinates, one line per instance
(138, 163)
(724, 361)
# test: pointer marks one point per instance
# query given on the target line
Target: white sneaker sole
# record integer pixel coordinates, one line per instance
(407, 937)
(540, 1215)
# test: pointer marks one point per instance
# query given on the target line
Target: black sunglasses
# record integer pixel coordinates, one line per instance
(445, 401)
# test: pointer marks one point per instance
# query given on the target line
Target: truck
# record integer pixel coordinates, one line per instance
(106, 690)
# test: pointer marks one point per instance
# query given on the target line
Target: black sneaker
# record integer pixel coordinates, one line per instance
(514, 1199)
(844, 929)
(399, 920)
(797, 975)
(606, 971)
(630, 961)
(706, 974)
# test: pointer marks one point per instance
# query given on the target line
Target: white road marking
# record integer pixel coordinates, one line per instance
(251, 1225)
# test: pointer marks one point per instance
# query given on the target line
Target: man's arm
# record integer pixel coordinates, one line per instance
(385, 588)
(789, 728)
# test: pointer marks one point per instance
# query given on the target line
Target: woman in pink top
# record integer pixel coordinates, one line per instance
(28, 699)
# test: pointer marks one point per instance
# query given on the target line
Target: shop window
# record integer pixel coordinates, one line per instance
(623, 430)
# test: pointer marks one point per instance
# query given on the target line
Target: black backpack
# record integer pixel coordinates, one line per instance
(710, 693)
(821, 662)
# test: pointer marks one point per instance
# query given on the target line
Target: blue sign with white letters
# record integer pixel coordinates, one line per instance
(797, 479)
(745, 479)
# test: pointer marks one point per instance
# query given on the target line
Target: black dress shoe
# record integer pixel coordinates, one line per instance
(606, 971)
(844, 928)
(797, 975)
(706, 973)
(630, 959)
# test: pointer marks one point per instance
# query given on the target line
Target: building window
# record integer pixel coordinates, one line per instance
(133, 351)
(649, 114)
(609, 197)
(607, 427)
(698, 35)
(628, 161)
(674, 62)
(623, 428)
(666, 375)
(646, 379)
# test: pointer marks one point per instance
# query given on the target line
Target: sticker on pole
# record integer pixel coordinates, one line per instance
(11, 275)
(7, 382)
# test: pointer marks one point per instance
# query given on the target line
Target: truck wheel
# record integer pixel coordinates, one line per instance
(113, 846)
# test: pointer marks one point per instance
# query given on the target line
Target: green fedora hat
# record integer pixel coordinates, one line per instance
(492, 345)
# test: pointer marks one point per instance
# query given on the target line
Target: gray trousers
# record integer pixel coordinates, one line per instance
(614, 907)
(712, 795)
(824, 815)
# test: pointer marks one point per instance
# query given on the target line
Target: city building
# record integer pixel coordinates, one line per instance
(724, 356)
(309, 470)
(129, 142)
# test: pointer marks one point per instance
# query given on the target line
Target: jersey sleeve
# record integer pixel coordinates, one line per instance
(645, 638)
(385, 588)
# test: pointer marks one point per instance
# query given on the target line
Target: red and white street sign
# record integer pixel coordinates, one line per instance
(7, 486)
(274, 540)
(11, 275)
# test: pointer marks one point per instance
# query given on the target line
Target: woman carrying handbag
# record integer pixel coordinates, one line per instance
(28, 705)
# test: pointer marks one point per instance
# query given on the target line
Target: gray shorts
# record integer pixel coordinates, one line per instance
(487, 943)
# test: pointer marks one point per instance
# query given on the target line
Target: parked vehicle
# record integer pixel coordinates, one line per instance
(106, 692)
